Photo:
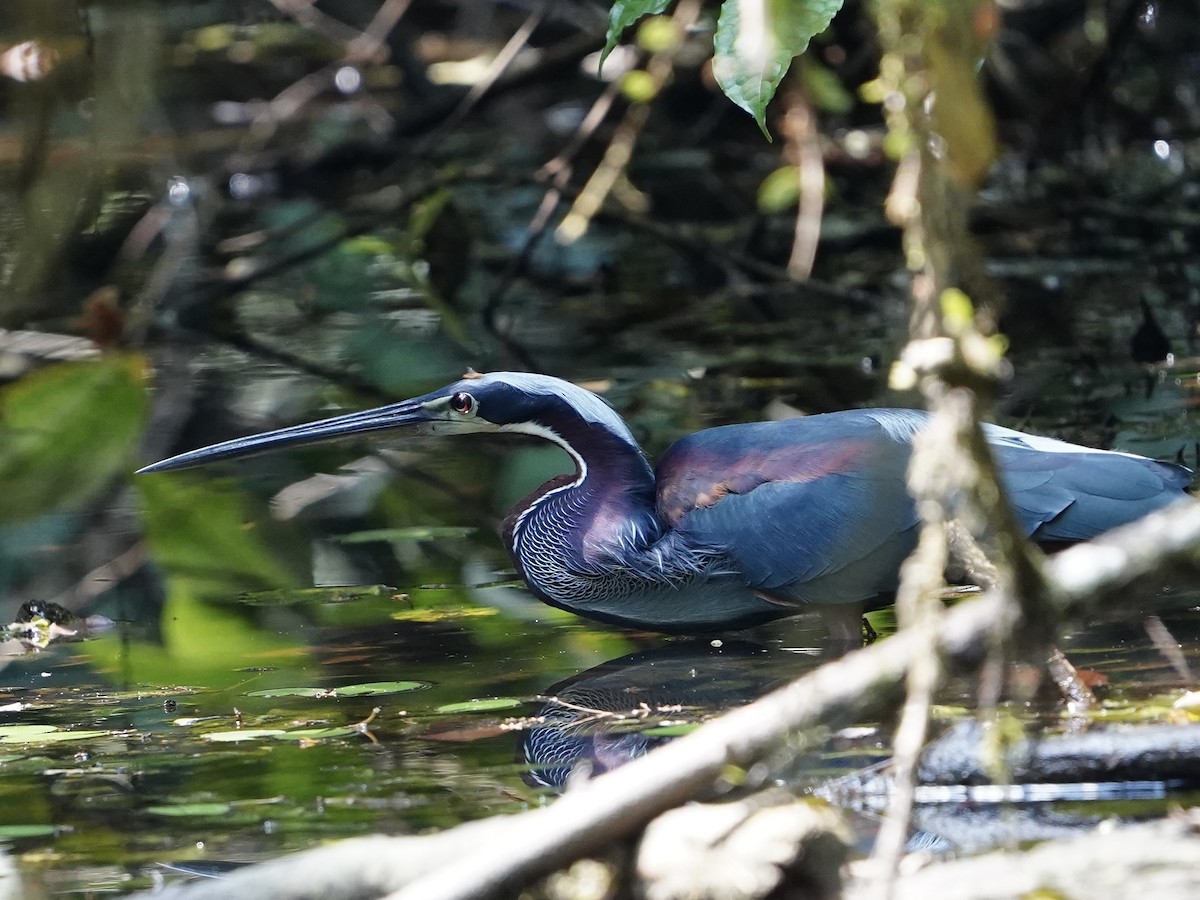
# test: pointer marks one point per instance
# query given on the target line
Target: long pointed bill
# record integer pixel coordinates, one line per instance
(397, 415)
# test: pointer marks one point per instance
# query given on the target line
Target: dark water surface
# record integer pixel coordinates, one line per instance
(325, 643)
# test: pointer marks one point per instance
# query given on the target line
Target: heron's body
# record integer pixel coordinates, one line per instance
(739, 524)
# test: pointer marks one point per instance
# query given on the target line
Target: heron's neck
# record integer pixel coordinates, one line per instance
(579, 521)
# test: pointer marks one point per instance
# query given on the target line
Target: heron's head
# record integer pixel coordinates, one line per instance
(499, 402)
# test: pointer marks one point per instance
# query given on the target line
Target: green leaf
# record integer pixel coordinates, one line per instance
(316, 734)
(242, 734)
(24, 731)
(52, 737)
(329, 595)
(677, 730)
(190, 809)
(380, 687)
(487, 704)
(14, 832)
(350, 690)
(67, 431)
(750, 59)
(416, 533)
(623, 14)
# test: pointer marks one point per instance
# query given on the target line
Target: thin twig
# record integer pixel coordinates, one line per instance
(367, 46)
(620, 149)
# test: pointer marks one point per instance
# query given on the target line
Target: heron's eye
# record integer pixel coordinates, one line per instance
(462, 403)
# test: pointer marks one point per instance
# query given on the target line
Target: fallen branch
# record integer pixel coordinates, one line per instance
(498, 856)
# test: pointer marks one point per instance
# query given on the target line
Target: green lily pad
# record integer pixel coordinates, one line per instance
(242, 734)
(678, 730)
(57, 737)
(316, 734)
(190, 809)
(12, 832)
(380, 687)
(395, 535)
(350, 690)
(24, 731)
(487, 704)
(303, 596)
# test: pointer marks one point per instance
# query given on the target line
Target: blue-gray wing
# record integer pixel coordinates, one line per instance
(807, 510)
(817, 510)
(1063, 493)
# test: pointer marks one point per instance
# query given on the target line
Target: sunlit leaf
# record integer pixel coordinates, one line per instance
(824, 88)
(24, 731)
(242, 734)
(380, 687)
(190, 809)
(422, 533)
(444, 614)
(53, 737)
(340, 594)
(13, 832)
(316, 734)
(487, 704)
(750, 58)
(350, 690)
(780, 190)
(66, 431)
(623, 14)
(677, 730)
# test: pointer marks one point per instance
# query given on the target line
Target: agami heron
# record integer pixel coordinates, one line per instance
(738, 524)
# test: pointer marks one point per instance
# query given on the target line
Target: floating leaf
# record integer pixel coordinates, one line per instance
(677, 730)
(26, 730)
(487, 704)
(350, 690)
(416, 533)
(380, 687)
(316, 734)
(751, 58)
(298, 596)
(53, 737)
(623, 14)
(443, 614)
(242, 734)
(190, 809)
(67, 430)
(13, 832)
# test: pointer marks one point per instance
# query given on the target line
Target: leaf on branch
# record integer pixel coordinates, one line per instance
(755, 43)
(623, 14)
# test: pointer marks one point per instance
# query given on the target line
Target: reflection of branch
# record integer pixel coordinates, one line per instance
(498, 856)
(306, 13)
(498, 66)
(804, 144)
(366, 47)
